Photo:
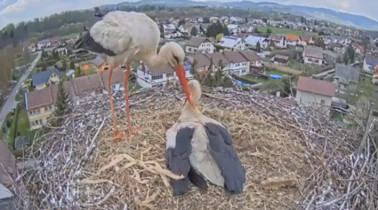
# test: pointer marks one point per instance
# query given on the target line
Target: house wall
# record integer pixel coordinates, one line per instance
(367, 67)
(41, 86)
(312, 61)
(39, 116)
(239, 69)
(147, 81)
(207, 47)
(312, 99)
(84, 67)
(54, 79)
(103, 66)
(239, 46)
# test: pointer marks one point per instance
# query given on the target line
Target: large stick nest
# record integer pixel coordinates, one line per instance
(295, 157)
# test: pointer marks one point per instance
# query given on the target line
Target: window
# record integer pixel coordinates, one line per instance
(243, 71)
(322, 101)
(157, 77)
(170, 75)
(195, 50)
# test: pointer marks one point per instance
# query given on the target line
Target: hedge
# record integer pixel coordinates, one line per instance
(12, 133)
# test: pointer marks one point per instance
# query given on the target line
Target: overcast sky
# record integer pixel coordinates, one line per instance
(14, 11)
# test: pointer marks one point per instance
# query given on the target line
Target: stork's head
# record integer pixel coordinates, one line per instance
(195, 90)
(174, 56)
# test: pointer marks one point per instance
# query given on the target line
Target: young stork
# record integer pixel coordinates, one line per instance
(125, 37)
(200, 149)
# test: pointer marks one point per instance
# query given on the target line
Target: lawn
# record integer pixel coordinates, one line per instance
(254, 79)
(364, 91)
(23, 126)
(20, 96)
(263, 29)
(307, 69)
(23, 61)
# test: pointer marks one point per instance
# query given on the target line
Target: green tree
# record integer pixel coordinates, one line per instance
(78, 72)
(161, 30)
(256, 30)
(182, 22)
(269, 31)
(64, 65)
(62, 104)
(365, 44)
(258, 46)
(193, 70)
(206, 20)
(351, 53)
(72, 65)
(226, 32)
(43, 67)
(346, 58)
(194, 31)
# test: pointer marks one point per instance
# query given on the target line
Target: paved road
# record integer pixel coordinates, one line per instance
(11, 101)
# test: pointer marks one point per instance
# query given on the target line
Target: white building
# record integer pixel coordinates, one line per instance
(251, 42)
(278, 40)
(232, 43)
(199, 44)
(313, 55)
(234, 29)
(317, 93)
(370, 63)
(159, 77)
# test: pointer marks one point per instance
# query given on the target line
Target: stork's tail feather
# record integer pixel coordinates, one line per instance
(80, 42)
(196, 179)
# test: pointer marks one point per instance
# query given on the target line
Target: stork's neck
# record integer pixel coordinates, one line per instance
(155, 60)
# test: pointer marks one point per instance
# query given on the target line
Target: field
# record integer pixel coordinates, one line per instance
(263, 29)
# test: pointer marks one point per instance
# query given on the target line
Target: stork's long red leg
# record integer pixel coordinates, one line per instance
(130, 128)
(117, 134)
(126, 94)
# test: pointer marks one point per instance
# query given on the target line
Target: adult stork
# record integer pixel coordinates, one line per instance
(200, 149)
(124, 37)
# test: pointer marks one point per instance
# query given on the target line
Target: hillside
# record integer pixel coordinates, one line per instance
(320, 13)
(294, 157)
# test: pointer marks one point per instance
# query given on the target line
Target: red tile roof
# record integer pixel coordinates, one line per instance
(320, 87)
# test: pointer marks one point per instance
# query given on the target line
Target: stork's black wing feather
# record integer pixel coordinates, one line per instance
(88, 43)
(178, 159)
(224, 154)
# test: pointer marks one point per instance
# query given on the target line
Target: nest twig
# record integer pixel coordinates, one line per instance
(294, 156)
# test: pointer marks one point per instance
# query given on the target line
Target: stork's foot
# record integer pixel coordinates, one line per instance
(118, 136)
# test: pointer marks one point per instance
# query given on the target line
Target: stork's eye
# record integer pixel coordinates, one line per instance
(176, 58)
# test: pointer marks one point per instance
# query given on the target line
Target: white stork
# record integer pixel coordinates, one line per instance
(200, 149)
(125, 37)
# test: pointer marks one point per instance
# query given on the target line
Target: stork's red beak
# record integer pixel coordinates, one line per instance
(180, 71)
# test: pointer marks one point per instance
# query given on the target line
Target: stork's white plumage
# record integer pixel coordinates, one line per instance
(125, 37)
(200, 149)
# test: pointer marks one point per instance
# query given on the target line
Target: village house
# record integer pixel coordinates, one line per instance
(238, 64)
(292, 39)
(232, 43)
(202, 62)
(159, 77)
(346, 77)
(255, 62)
(281, 60)
(251, 42)
(99, 63)
(313, 55)
(40, 104)
(306, 39)
(277, 40)
(199, 44)
(42, 79)
(358, 48)
(318, 93)
(9, 173)
(369, 63)
(234, 62)
(375, 76)
(234, 29)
